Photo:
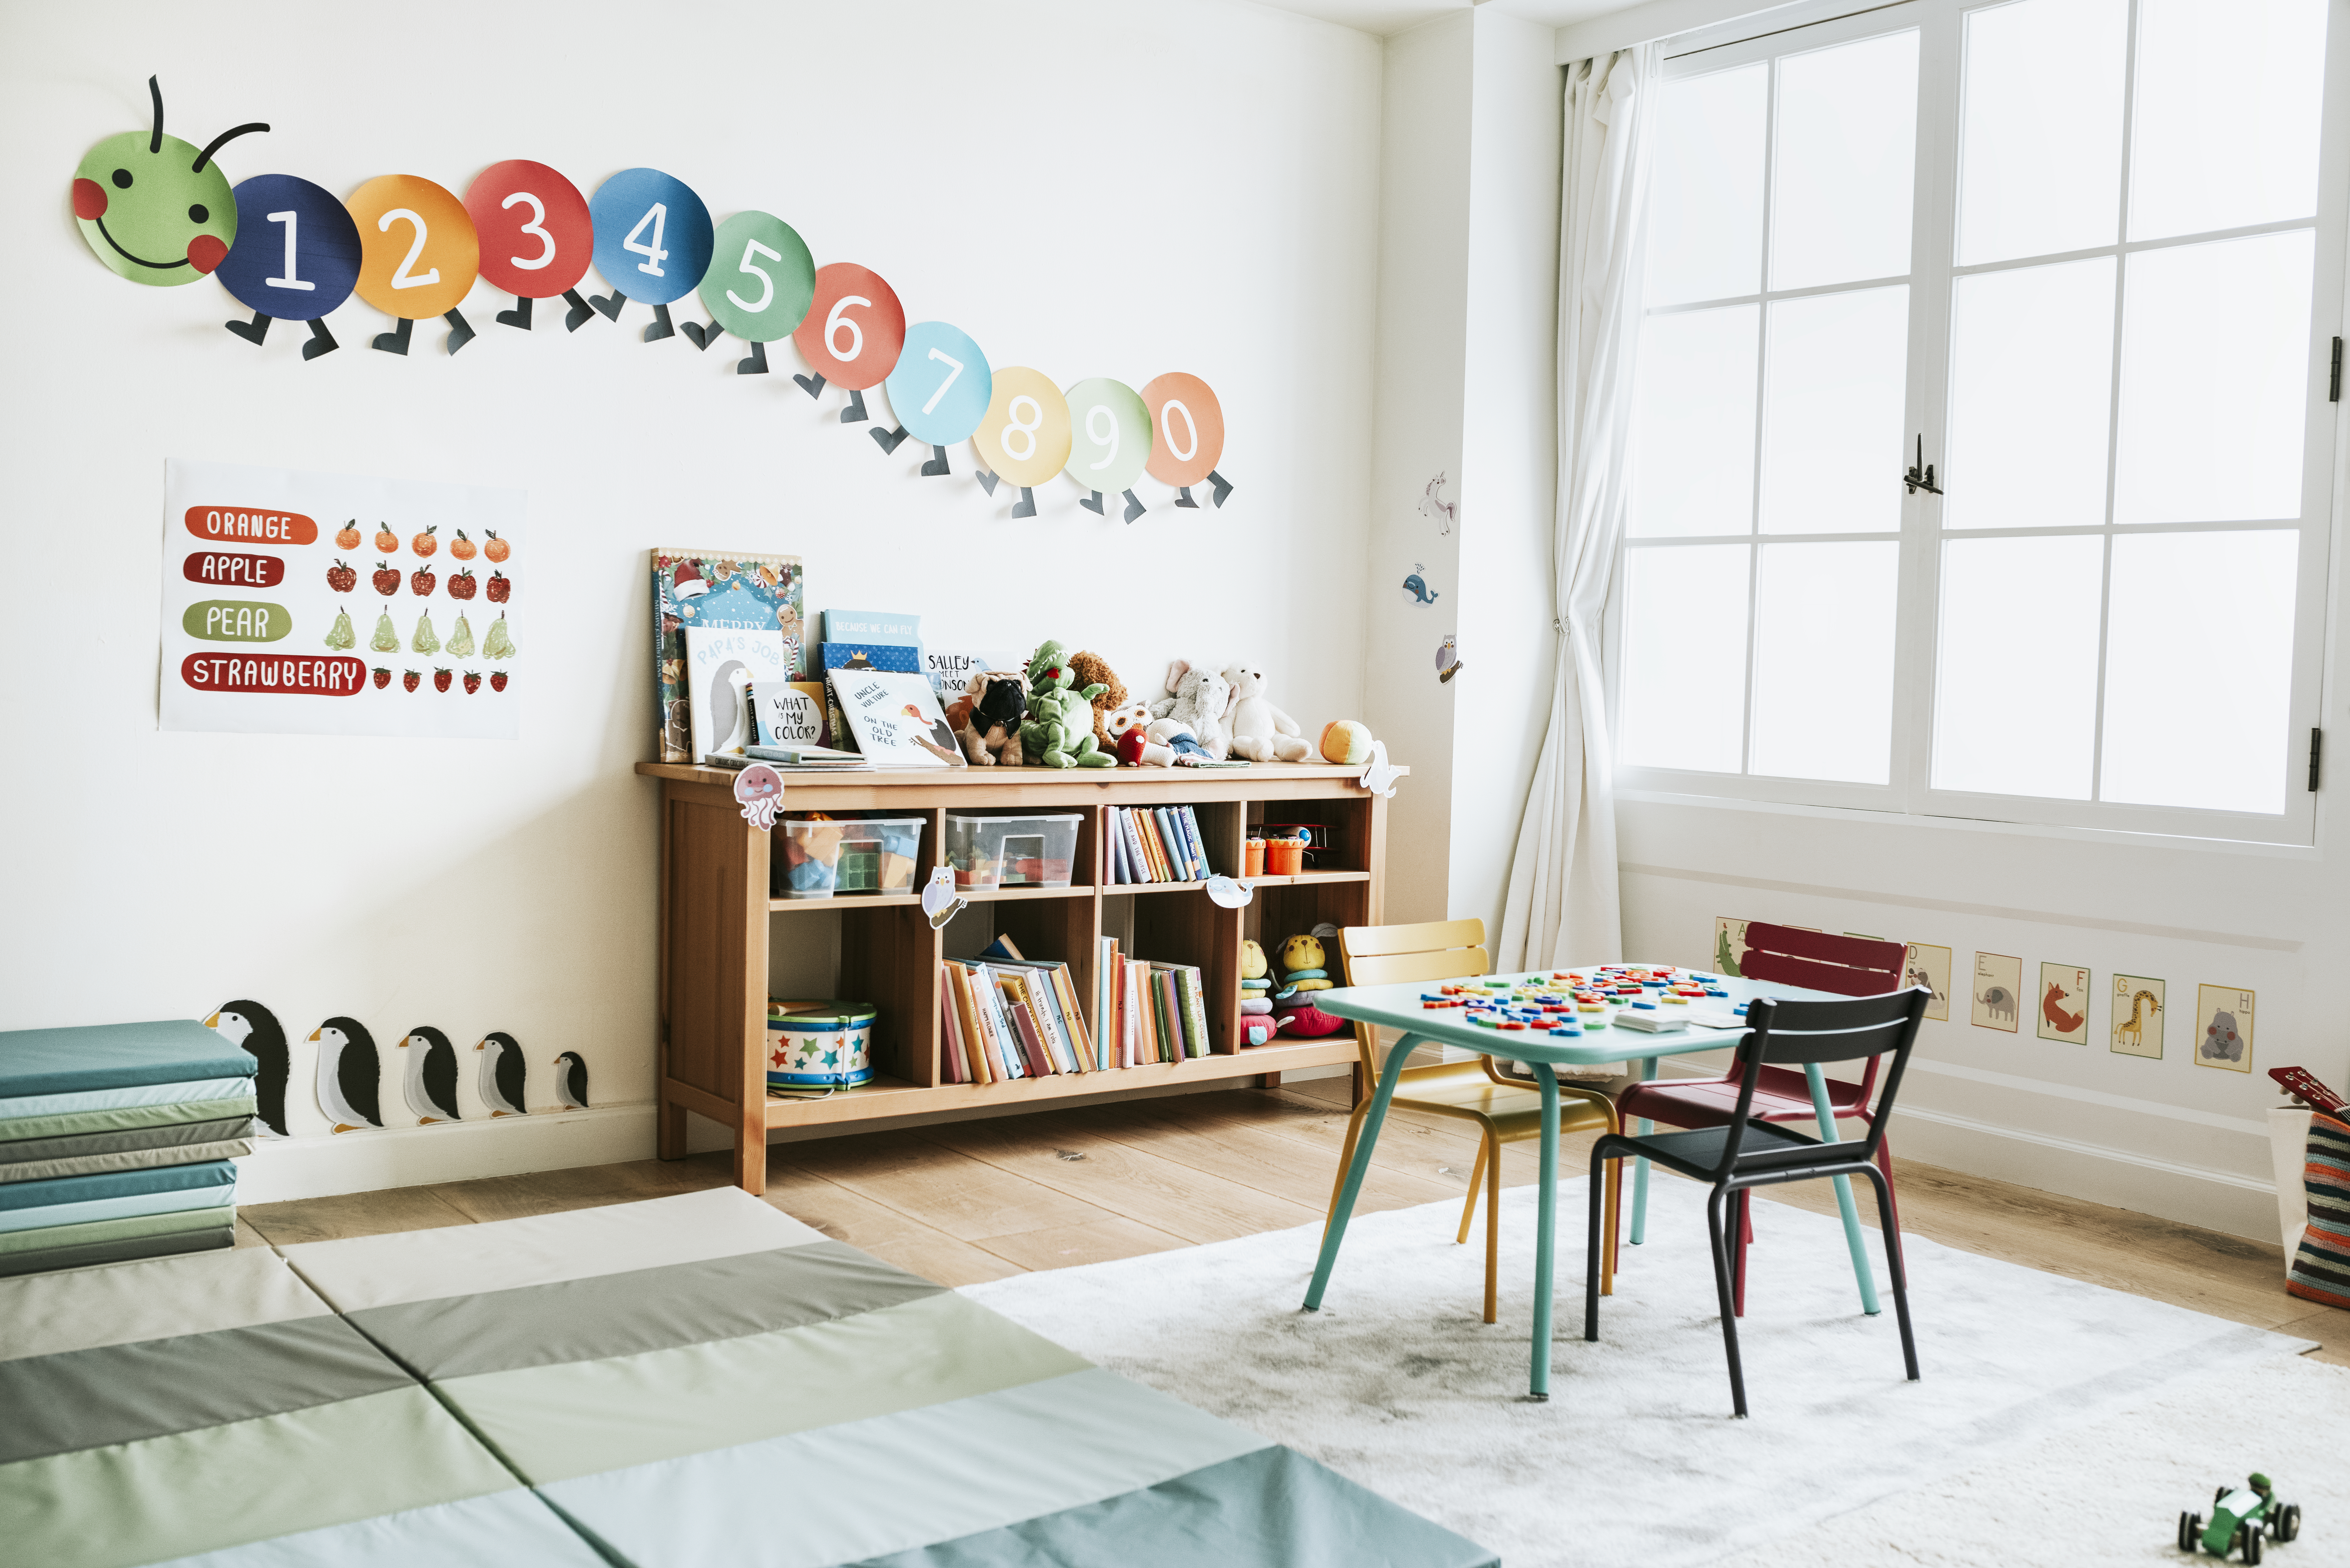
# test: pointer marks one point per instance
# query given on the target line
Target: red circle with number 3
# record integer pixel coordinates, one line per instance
(1187, 429)
(537, 237)
(854, 328)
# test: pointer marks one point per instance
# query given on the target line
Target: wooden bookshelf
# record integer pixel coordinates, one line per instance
(718, 924)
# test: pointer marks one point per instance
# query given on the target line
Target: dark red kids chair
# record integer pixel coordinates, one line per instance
(1844, 966)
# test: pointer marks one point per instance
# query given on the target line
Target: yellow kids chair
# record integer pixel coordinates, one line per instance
(1504, 1110)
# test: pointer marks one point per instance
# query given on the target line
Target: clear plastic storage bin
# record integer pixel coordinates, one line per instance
(872, 854)
(1012, 851)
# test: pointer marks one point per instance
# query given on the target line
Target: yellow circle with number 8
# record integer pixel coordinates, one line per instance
(1025, 436)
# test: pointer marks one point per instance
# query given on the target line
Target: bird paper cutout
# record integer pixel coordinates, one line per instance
(503, 1074)
(348, 1070)
(1227, 893)
(1379, 775)
(257, 1030)
(939, 900)
(429, 1082)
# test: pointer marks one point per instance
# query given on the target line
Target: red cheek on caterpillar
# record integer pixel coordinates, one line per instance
(89, 199)
(206, 251)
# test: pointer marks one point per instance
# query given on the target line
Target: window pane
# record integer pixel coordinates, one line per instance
(2015, 709)
(1705, 201)
(2040, 162)
(1693, 466)
(2032, 387)
(2215, 368)
(1833, 411)
(2198, 669)
(2228, 105)
(1847, 158)
(1823, 660)
(1684, 657)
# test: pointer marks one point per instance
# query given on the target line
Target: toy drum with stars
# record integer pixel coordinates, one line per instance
(819, 1044)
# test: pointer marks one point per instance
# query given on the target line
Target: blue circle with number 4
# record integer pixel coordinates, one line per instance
(941, 388)
(298, 251)
(652, 235)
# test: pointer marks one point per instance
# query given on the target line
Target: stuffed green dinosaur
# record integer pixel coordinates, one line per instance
(1059, 733)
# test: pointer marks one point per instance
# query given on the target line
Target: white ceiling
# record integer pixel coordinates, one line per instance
(1384, 16)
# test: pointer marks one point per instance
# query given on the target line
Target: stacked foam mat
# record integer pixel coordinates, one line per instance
(117, 1142)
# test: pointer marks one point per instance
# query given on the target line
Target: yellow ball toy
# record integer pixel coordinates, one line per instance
(1347, 742)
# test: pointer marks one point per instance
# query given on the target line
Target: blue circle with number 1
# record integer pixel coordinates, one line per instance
(652, 235)
(298, 251)
(941, 388)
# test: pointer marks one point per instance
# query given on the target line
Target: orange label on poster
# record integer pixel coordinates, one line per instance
(234, 568)
(295, 674)
(251, 524)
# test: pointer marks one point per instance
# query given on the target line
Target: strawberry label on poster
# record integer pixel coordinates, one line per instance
(392, 607)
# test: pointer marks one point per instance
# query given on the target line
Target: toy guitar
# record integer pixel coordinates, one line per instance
(2298, 1082)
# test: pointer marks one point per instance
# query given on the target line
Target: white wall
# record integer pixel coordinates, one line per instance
(1086, 189)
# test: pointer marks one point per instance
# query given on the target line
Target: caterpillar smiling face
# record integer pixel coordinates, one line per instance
(154, 208)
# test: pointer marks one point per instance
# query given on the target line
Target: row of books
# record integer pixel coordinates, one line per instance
(1155, 844)
(1004, 1016)
(1150, 1011)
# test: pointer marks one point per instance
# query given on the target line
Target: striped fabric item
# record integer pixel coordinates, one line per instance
(214, 1411)
(701, 1379)
(2320, 1269)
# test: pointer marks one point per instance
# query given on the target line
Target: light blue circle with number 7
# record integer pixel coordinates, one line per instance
(1109, 434)
(652, 235)
(941, 388)
(761, 279)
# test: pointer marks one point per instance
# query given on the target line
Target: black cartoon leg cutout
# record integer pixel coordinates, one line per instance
(812, 385)
(1223, 486)
(855, 412)
(1093, 503)
(756, 365)
(1134, 506)
(701, 335)
(321, 341)
(988, 481)
(460, 331)
(1183, 498)
(252, 331)
(1027, 506)
(938, 463)
(609, 304)
(576, 316)
(396, 341)
(519, 316)
(887, 440)
(661, 327)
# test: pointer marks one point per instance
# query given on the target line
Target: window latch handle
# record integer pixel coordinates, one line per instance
(1921, 473)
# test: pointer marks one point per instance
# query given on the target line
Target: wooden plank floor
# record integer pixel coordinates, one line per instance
(983, 1200)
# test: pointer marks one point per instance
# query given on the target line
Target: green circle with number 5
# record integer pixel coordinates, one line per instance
(1109, 434)
(761, 278)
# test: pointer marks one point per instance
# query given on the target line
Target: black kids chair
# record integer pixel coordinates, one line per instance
(1744, 1153)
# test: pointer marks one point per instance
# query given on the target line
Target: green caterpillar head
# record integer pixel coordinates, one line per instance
(155, 209)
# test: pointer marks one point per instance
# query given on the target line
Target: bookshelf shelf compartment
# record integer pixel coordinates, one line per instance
(715, 944)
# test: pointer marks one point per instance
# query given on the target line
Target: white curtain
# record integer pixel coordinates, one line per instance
(1563, 906)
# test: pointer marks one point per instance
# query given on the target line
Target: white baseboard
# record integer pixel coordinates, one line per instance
(324, 1164)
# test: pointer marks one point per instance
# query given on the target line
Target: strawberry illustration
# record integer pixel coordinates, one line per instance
(387, 578)
(424, 544)
(342, 578)
(382, 678)
(497, 680)
(347, 536)
(386, 540)
(440, 680)
(461, 587)
(422, 580)
(501, 587)
(409, 680)
(496, 549)
(472, 683)
(463, 548)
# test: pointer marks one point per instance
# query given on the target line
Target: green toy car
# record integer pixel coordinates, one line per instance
(2241, 1519)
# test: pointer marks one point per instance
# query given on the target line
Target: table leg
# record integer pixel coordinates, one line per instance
(1860, 1270)
(1546, 1230)
(1640, 1166)
(1360, 1167)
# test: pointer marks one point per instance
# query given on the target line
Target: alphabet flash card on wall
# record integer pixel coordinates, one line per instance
(2224, 1034)
(266, 611)
(1998, 981)
(2138, 1015)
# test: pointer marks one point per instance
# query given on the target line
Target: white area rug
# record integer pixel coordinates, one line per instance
(1396, 1383)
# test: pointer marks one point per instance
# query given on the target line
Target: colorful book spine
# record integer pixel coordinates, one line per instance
(1032, 1039)
(954, 1067)
(1189, 981)
(1003, 1040)
(1199, 846)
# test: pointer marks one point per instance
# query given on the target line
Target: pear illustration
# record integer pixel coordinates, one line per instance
(461, 642)
(387, 636)
(342, 636)
(425, 640)
(497, 643)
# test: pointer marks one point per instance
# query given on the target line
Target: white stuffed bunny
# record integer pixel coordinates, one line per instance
(1198, 699)
(1261, 731)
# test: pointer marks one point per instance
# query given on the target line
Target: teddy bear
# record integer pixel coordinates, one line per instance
(1092, 669)
(1198, 699)
(1301, 962)
(1059, 732)
(989, 717)
(1261, 731)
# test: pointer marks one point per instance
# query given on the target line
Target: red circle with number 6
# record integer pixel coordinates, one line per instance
(537, 237)
(854, 329)
(1187, 429)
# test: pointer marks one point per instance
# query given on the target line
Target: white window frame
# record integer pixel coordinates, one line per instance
(1909, 790)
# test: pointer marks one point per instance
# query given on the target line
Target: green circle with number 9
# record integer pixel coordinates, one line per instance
(761, 278)
(1109, 434)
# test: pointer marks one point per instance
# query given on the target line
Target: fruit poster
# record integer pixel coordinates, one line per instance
(333, 604)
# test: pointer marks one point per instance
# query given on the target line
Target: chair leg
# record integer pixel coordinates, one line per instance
(1601, 1163)
(1493, 1228)
(1893, 1210)
(1746, 1233)
(1719, 1235)
(1893, 1264)
(1346, 1158)
(1615, 1207)
(1476, 1180)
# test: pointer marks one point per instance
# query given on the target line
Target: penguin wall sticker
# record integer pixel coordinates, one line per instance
(348, 1074)
(571, 1080)
(502, 1072)
(429, 1081)
(256, 1029)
